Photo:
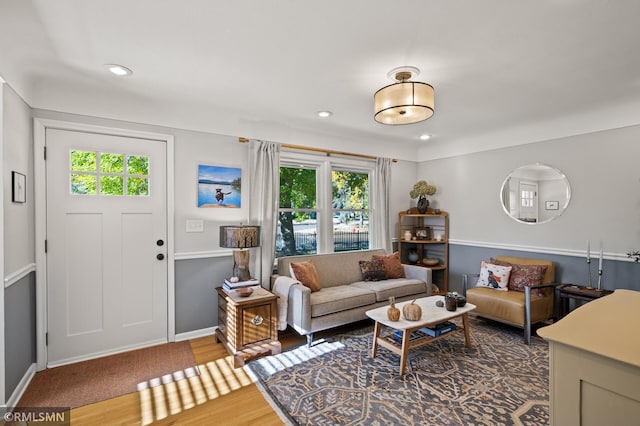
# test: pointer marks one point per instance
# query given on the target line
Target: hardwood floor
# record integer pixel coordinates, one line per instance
(221, 395)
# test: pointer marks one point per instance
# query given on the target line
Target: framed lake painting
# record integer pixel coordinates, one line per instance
(219, 187)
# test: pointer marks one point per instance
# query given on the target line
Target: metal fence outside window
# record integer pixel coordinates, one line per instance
(306, 242)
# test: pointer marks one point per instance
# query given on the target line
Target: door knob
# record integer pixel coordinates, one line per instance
(160, 243)
(160, 256)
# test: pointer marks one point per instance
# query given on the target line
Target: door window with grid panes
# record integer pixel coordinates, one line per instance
(105, 173)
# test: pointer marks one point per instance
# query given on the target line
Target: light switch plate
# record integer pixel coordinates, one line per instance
(195, 225)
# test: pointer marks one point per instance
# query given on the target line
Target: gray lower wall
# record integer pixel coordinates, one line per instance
(196, 298)
(20, 330)
(569, 269)
(196, 279)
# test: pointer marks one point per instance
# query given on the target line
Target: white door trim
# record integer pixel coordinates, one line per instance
(39, 128)
(3, 397)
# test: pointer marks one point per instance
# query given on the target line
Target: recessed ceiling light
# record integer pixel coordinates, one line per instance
(324, 114)
(118, 69)
(425, 137)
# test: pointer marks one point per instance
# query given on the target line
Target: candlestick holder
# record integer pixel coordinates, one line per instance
(589, 270)
(599, 279)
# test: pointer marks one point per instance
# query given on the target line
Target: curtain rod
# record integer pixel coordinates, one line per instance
(326, 151)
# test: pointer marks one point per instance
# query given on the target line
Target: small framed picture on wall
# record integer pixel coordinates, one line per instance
(551, 205)
(18, 187)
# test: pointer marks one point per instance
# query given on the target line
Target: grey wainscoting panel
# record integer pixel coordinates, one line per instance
(20, 329)
(569, 269)
(196, 299)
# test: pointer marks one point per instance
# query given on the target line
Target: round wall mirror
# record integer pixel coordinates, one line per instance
(535, 193)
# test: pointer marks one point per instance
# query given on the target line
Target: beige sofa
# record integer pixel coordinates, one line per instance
(520, 309)
(344, 297)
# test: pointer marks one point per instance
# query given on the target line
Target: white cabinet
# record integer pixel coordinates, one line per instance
(594, 363)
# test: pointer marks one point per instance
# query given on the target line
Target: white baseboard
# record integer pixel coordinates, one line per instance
(22, 386)
(196, 333)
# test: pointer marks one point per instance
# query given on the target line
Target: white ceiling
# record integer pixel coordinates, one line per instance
(505, 72)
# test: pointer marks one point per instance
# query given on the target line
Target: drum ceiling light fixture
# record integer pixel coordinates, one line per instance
(404, 102)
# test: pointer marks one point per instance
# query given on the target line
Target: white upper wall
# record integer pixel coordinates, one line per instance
(193, 148)
(403, 177)
(602, 169)
(19, 224)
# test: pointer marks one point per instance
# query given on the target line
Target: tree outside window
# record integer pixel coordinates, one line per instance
(297, 216)
(350, 202)
(313, 218)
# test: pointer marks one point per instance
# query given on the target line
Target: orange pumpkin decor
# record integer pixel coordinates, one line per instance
(392, 312)
(411, 311)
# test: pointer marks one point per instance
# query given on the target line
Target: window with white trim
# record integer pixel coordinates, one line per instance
(324, 205)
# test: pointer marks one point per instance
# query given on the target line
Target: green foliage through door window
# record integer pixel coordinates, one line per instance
(115, 174)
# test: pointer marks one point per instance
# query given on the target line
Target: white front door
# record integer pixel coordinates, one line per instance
(106, 244)
(528, 202)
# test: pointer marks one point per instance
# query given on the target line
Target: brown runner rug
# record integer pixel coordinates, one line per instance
(86, 382)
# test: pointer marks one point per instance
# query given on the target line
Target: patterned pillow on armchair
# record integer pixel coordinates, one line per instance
(524, 276)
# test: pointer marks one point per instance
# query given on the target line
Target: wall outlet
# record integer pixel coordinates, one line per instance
(195, 225)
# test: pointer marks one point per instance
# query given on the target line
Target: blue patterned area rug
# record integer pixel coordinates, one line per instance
(498, 381)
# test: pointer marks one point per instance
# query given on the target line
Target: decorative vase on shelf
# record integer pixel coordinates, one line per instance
(413, 256)
(407, 235)
(423, 204)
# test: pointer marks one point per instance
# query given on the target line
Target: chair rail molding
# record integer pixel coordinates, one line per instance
(620, 257)
(16, 276)
(189, 255)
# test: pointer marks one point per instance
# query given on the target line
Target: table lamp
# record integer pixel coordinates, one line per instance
(242, 238)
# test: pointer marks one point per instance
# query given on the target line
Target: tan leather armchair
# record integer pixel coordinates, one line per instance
(520, 309)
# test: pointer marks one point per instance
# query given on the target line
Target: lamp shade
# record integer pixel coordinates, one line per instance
(239, 236)
(405, 102)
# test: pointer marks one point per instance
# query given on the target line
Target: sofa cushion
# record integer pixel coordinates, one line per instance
(306, 273)
(392, 265)
(372, 270)
(333, 268)
(398, 287)
(494, 276)
(339, 298)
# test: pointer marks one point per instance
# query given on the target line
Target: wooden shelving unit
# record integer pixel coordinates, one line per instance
(428, 246)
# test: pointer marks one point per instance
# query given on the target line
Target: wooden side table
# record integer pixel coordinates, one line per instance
(247, 325)
(564, 292)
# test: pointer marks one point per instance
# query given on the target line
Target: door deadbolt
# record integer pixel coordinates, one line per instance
(160, 243)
